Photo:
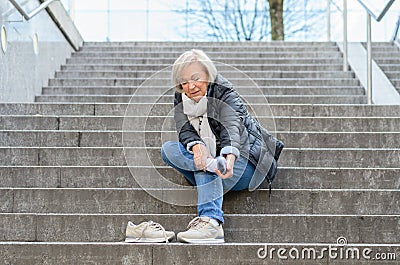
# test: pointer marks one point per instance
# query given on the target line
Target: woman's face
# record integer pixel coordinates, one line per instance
(194, 81)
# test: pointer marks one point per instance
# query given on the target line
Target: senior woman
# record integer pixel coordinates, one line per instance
(221, 147)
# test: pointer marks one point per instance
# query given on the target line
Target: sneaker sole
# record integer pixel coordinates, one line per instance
(146, 240)
(202, 241)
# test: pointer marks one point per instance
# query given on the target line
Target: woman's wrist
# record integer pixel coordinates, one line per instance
(198, 147)
(230, 159)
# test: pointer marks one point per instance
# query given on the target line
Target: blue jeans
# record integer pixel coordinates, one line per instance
(210, 187)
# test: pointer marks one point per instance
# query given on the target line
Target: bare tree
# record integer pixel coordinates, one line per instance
(276, 16)
(250, 20)
(305, 19)
(229, 20)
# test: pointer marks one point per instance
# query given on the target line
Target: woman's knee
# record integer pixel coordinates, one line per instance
(168, 149)
(170, 146)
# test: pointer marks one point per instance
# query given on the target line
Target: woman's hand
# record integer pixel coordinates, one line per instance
(230, 161)
(200, 155)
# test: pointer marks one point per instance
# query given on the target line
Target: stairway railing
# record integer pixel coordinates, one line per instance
(374, 9)
(34, 12)
(377, 11)
(396, 32)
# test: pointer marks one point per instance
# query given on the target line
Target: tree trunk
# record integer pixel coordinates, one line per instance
(276, 15)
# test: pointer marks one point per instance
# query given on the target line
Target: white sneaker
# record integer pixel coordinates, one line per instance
(147, 232)
(201, 230)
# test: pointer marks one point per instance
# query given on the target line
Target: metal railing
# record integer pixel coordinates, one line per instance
(34, 12)
(345, 48)
(377, 14)
(396, 31)
(328, 31)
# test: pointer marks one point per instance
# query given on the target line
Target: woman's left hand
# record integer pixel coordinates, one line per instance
(230, 161)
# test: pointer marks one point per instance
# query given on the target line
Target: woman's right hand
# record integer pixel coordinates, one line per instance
(200, 153)
(230, 161)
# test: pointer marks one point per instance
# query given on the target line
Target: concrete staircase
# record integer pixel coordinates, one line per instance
(67, 191)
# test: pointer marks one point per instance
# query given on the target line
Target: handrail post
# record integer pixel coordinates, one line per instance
(345, 63)
(369, 59)
(328, 20)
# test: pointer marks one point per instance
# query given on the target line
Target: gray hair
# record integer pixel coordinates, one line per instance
(187, 58)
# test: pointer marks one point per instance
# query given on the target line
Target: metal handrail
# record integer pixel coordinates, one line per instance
(345, 42)
(396, 30)
(377, 16)
(373, 11)
(32, 13)
(345, 49)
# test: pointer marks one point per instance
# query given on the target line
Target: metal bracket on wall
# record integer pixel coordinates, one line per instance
(33, 13)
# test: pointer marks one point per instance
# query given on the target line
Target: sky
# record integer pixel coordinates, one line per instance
(153, 20)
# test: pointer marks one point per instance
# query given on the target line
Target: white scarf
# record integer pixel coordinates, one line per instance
(197, 115)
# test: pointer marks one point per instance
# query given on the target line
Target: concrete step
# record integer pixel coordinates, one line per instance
(211, 52)
(268, 90)
(130, 200)
(215, 56)
(386, 54)
(388, 60)
(230, 74)
(82, 138)
(238, 228)
(235, 82)
(242, 67)
(212, 48)
(390, 67)
(223, 45)
(209, 48)
(392, 74)
(229, 61)
(229, 253)
(119, 109)
(395, 81)
(381, 52)
(389, 48)
(166, 123)
(381, 43)
(121, 177)
(150, 156)
(295, 99)
(381, 46)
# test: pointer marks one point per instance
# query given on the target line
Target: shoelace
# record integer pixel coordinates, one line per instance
(155, 227)
(197, 223)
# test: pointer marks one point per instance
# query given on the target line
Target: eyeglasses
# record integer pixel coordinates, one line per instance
(194, 81)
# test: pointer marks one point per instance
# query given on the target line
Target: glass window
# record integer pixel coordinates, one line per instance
(128, 26)
(162, 20)
(167, 25)
(91, 5)
(167, 5)
(134, 5)
(92, 25)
